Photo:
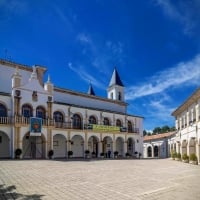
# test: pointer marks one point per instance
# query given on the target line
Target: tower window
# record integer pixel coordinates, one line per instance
(111, 95)
(119, 96)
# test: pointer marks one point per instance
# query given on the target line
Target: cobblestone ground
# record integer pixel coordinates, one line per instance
(99, 180)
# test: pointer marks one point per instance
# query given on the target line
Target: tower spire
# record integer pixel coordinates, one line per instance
(115, 89)
(91, 90)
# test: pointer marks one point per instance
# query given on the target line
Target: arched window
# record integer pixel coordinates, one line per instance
(27, 111)
(106, 121)
(77, 124)
(40, 112)
(92, 120)
(149, 152)
(3, 111)
(58, 116)
(118, 123)
(130, 128)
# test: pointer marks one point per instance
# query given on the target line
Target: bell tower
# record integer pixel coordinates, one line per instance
(115, 89)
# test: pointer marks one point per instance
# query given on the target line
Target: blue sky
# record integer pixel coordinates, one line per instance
(154, 44)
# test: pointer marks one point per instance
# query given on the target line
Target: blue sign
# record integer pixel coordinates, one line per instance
(35, 126)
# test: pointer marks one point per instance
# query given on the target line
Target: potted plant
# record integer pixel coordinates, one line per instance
(18, 153)
(87, 152)
(185, 158)
(102, 155)
(116, 154)
(93, 154)
(127, 155)
(50, 154)
(174, 155)
(193, 159)
(178, 157)
(70, 153)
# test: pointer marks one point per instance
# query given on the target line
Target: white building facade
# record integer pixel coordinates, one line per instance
(187, 124)
(37, 117)
(159, 145)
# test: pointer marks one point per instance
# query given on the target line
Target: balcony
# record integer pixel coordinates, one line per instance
(25, 121)
(6, 120)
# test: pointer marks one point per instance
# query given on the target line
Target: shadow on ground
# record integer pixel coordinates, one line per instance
(8, 193)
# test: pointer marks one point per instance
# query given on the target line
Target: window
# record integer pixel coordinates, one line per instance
(118, 123)
(3, 111)
(106, 121)
(40, 112)
(58, 116)
(92, 120)
(76, 121)
(119, 96)
(111, 95)
(27, 111)
(130, 126)
(0, 139)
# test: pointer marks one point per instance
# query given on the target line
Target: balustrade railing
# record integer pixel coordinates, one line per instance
(20, 120)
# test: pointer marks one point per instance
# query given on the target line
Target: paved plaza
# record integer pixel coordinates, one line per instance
(99, 180)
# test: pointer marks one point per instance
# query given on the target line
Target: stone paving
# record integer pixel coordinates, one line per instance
(99, 180)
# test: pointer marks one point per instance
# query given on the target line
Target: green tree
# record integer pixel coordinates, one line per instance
(156, 130)
(165, 129)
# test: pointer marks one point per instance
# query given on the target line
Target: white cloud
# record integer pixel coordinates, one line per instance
(67, 19)
(84, 75)
(182, 73)
(101, 54)
(185, 12)
(82, 37)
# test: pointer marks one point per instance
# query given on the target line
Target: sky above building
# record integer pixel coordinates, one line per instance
(154, 44)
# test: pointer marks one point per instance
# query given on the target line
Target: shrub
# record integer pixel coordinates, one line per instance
(18, 152)
(116, 153)
(50, 154)
(127, 154)
(193, 157)
(101, 154)
(87, 151)
(185, 157)
(70, 153)
(178, 155)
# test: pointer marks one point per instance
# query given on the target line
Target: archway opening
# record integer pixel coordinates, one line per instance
(192, 146)
(120, 146)
(77, 146)
(93, 146)
(59, 146)
(107, 146)
(4, 145)
(33, 147)
(156, 151)
(149, 152)
(131, 147)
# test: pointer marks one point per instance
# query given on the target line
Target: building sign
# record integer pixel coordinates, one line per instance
(97, 127)
(35, 126)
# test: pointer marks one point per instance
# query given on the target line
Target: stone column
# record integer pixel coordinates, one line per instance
(49, 108)
(152, 146)
(114, 146)
(125, 148)
(100, 149)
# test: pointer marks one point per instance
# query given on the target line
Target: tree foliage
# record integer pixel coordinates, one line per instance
(159, 130)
